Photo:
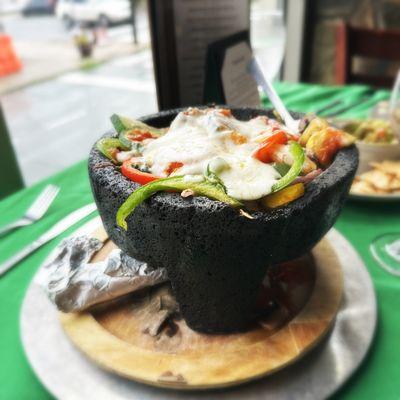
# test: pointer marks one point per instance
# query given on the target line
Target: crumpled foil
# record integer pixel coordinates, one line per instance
(74, 284)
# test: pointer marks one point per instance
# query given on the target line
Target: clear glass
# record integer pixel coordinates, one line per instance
(268, 35)
(394, 105)
(386, 251)
(386, 248)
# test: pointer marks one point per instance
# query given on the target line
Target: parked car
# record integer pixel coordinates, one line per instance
(38, 7)
(103, 12)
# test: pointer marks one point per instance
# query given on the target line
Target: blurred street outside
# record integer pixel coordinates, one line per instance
(46, 48)
(58, 105)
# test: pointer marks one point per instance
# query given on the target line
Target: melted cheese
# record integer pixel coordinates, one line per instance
(198, 138)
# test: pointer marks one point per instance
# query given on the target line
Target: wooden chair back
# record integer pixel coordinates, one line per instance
(369, 43)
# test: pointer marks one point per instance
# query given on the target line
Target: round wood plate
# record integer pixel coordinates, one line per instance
(117, 337)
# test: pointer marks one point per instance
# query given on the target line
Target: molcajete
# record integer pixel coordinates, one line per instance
(216, 258)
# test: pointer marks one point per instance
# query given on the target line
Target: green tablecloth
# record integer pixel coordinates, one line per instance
(379, 376)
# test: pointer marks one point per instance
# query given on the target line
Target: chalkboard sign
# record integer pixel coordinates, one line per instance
(181, 32)
(227, 80)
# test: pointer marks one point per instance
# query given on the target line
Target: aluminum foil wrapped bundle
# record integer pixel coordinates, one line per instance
(74, 284)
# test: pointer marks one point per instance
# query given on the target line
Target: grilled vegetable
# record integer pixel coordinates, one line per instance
(132, 140)
(265, 151)
(126, 124)
(315, 126)
(298, 160)
(282, 168)
(132, 131)
(323, 141)
(371, 130)
(282, 155)
(173, 167)
(135, 174)
(212, 177)
(284, 196)
(325, 144)
(174, 183)
(110, 147)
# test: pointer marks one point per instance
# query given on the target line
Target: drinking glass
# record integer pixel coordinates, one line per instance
(386, 251)
(394, 106)
(386, 248)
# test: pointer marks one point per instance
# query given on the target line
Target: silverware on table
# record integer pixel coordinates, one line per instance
(56, 230)
(36, 210)
(347, 107)
(328, 106)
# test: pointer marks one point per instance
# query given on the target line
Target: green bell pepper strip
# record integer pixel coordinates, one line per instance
(124, 126)
(121, 124)
(212, 178)
(282, 168)
(106, 145)
(177, 183)
(124, 140)
(298, 160)
(138, 147)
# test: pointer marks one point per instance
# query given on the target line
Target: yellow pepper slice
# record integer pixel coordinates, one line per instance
(284, 196)
(315, 126)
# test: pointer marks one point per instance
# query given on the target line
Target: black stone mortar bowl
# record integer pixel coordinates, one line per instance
(216, 258)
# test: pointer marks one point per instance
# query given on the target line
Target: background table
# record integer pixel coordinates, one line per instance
(379, 376)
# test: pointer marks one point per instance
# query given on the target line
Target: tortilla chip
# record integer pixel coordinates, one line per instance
(390, 167)
(384, 178)
(381, 180)
(362, 187)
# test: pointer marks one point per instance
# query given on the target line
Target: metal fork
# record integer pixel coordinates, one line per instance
(36, 210)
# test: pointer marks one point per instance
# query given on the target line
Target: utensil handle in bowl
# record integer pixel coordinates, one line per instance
(259, 77)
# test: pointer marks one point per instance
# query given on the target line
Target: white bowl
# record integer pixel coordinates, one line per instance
(370, 152)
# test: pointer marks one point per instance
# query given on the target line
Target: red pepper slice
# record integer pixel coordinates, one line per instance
(138, 135)
(136, 175)
(330, 145)
(172, 167)
(267, 147)
(225, 112)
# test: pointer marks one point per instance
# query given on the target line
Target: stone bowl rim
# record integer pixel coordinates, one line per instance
(332, 175)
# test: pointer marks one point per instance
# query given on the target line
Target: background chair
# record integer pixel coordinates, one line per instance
(10, 175)
(379, 45)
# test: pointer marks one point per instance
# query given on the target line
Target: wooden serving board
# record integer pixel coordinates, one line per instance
(120, 339)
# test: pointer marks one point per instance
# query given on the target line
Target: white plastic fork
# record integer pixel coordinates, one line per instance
(255, 71)
(35, 211)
